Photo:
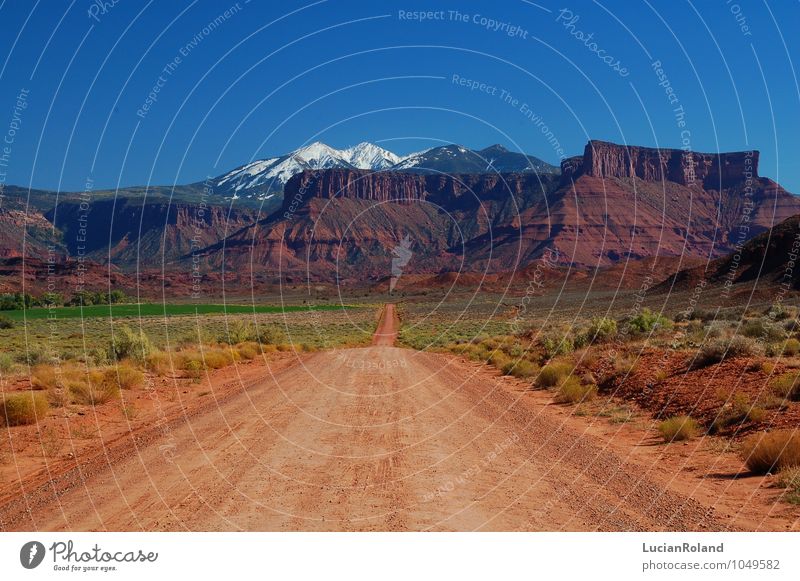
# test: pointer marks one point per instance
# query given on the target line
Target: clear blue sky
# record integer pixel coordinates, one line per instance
(271, 76)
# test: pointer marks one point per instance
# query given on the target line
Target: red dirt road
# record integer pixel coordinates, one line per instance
(386, 333)
(377, 438)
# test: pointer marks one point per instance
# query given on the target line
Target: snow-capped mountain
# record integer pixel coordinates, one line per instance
(458, 159)
(264, 179)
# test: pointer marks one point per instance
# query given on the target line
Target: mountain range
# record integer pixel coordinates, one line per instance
(486, 211)
(265, 179)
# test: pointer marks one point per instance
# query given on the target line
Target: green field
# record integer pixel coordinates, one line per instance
(158, 310)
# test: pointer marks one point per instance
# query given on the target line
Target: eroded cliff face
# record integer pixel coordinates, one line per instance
(707, 170)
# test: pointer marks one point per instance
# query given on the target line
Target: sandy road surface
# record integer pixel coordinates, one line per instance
(378, 438)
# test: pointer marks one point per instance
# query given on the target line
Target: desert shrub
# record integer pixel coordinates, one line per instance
(556, 345)
(37, 354)
(626, 364)
(678, 428)
(159, 362)
(573, 391)
(193, 368)
(6, 363)
(6, 323)
(771, 451)
(130, 344)
(791, 347)
(44, 377)
(601, 329)
(237, 332)
(789, 478)
(763, 329)
(57, 398)
(521, 368)
(97, 389)
(248, 350)
(17, 409)
(499, 359)
(217, 358)
(553, 374)
(787, 386)
(717, 350)
(738, 410)
(125, 376)
(647, 321)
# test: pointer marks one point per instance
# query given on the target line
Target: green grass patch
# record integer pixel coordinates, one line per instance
(160, 310)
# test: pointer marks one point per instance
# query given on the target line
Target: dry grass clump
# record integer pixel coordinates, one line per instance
(97, 388)
(159, 362)
(249, 350)
(717, 350)
(787, 386)
(738, 409)
(772, 451)
(44, 377)
(791, 347)
(522, 368)
(573, 391)
(553, 374)
(678, 428)
(790, 480)
(126, 377)
(17, 409)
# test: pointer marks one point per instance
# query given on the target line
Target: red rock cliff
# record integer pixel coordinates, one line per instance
(710, 170)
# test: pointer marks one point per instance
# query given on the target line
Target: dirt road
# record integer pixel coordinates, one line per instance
(386, 333)
(377, 438)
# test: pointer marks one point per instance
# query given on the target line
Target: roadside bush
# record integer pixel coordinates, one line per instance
(499, 359)
(791, 347)
(771, 451)
(553, 374)
(125, 376)
(44, 377)
(6, 363)
(521, 368)
(99, 389)
(678, 428)
(717, 350)
(738, 410)
(555, 346)
(6, 323)
(573, 391)
(248, 350)
(130, 344)
(763, 329)
(159, 362)
(17, 409)
(789, 479)
(647, 321)
(601, 329)
(787, 386)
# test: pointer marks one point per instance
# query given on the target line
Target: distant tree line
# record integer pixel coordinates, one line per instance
(16, 301)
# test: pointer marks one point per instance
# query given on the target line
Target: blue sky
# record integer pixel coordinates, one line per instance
(268, 77)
